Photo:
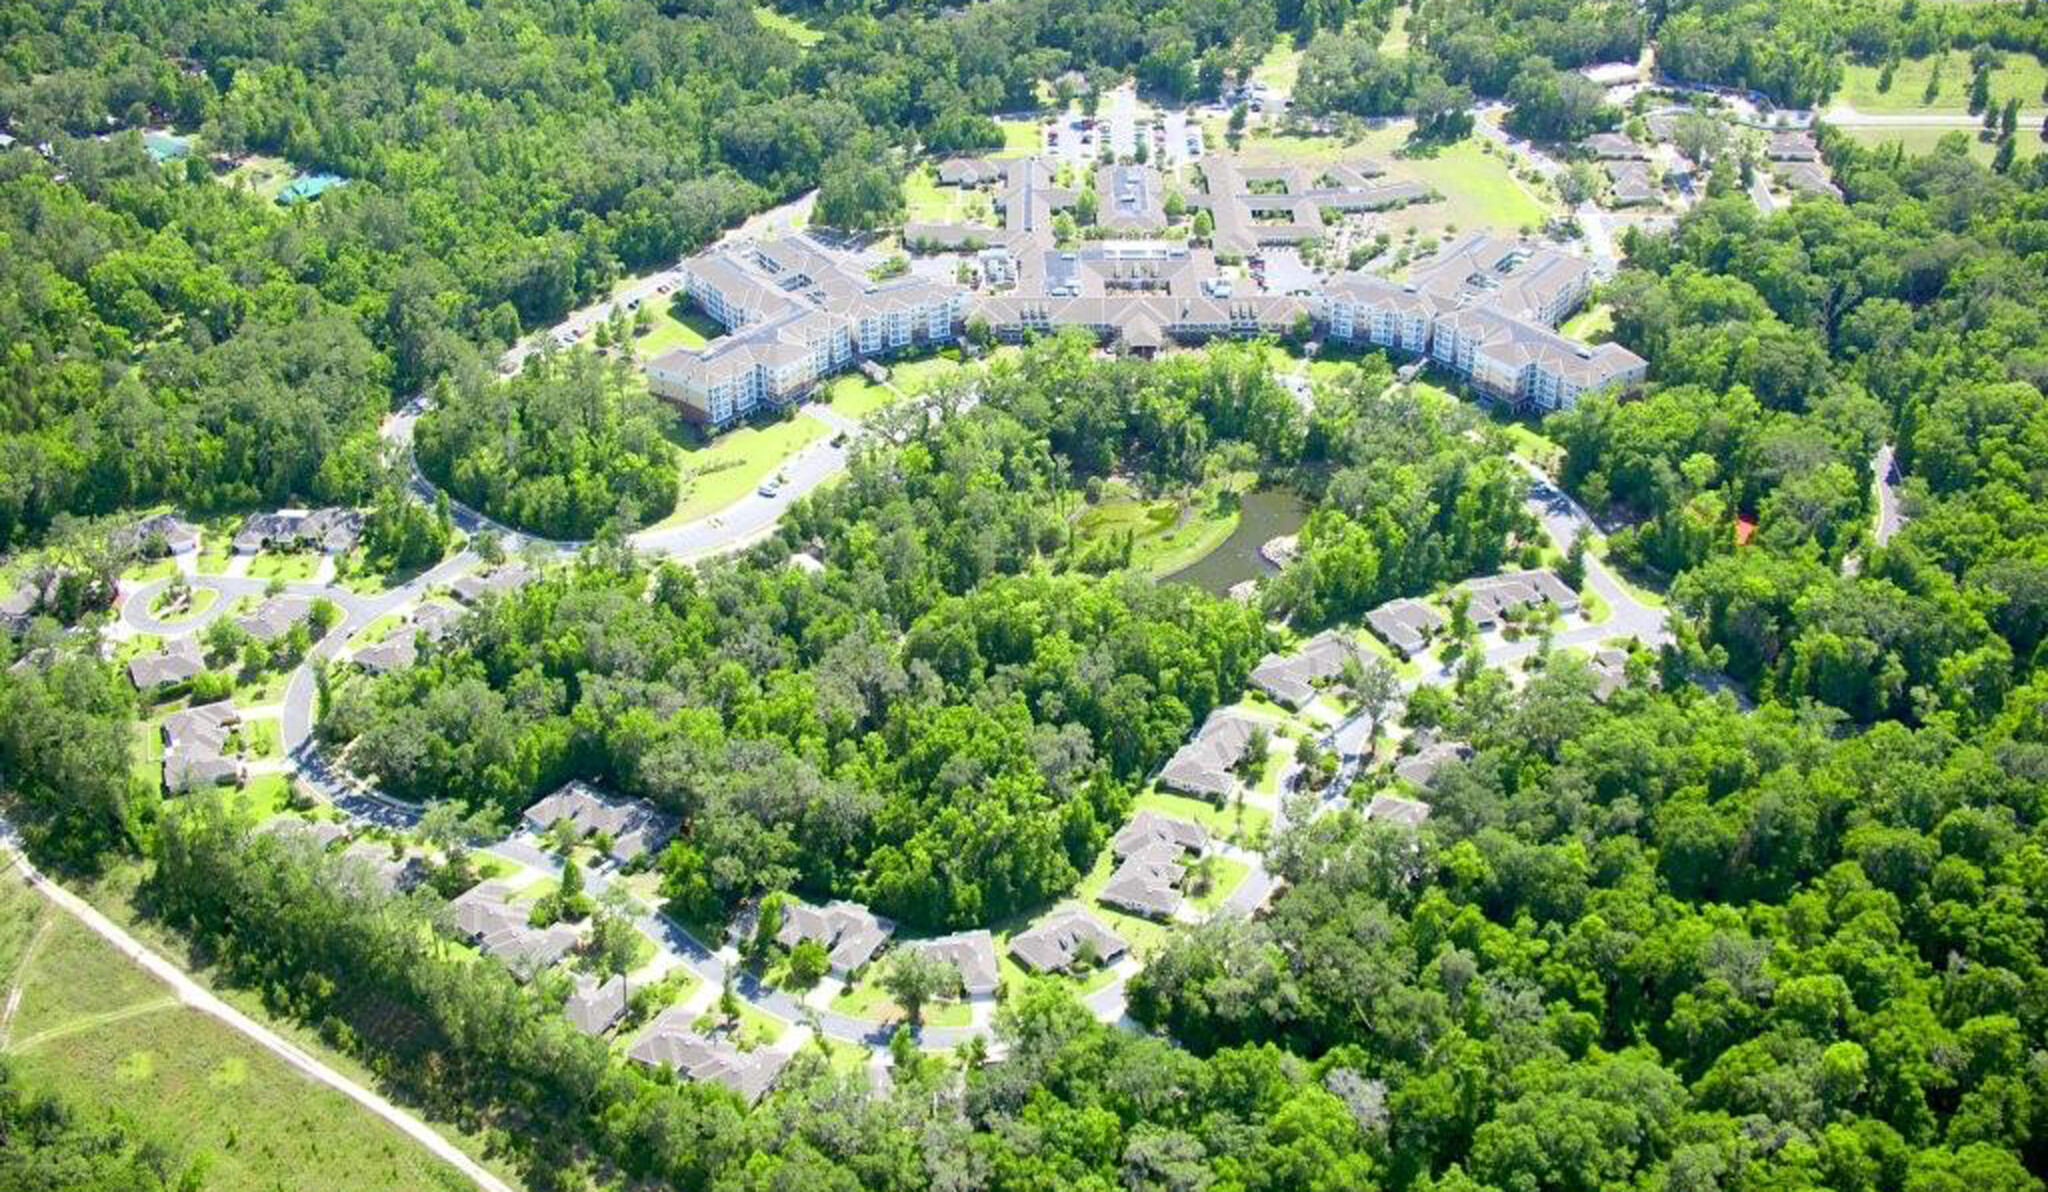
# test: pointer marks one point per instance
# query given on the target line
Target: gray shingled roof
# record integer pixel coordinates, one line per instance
(1203, 766)
(595, 1005)
(672, 1043)
(1052, 944)
(973, 953)
(1494, 596)
(850, 932)
(634, 825)
(1291, 678)
(178, 661)
(1405, 624)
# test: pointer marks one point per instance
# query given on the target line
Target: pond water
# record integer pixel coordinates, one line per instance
(1265, 514)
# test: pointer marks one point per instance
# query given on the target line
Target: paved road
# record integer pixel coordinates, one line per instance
(1845, 116)
(200, 998)
(1885, 474)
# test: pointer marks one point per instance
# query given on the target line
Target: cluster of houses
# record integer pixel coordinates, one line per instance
(1795, 160)
(1153, 852)
(799, 310)
(1409, 626)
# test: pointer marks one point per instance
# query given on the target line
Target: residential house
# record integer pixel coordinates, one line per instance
(1204, 767)
(1632, 184)
(1614, 146)
(849, 932)
(1293, 679)
(473, 587)
(159, 534)
(1494, 597)
(594, 1005)
(372, 861)
(195, 748)
(634, 826)
(177, 662)
(275, 617)
(1430, 755)
(1405, 625)
(488, 916)
(1393, 809)
(1148, 828)
(1792, 145)
(973, 953)
(1153, 850)
(1055, 943)
(331, 531)
(319, 834)
(968, 171)
(672, 1043)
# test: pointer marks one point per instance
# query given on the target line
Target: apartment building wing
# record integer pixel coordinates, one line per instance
(1150, 828)
(967, 171)
(1526, 363)
(1131, 198)
(1365, 308)
(1511, 277)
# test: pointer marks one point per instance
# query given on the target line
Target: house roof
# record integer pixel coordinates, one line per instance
(850, 932)
(1291, 678)
(634, 825)
(1150, 828)
(1405, 624)
(178, 661)
(1613, 145)
(478, 584)
(1631, 183)
(372, 860)
(595, 1005)
(275, 617)
(397, 651)
(321, 833)
(1203, 766)
(1393, 809)
(178, 535)
(1054, 942)
(671, 1043)
(1147, 882)
(973, 953)
(1422, 765)
(1494, 595)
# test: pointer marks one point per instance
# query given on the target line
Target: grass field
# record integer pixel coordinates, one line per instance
(109, 1037)
(915, 376)
(1922, 141)
(1595, 324)
(1396, 40)
(202, 599)
(2020, 77)
(925, 201)
(1021, 138)
(1232, 822)
(142, 573)
(866, 999)
(1225, 874)
(1281, 65)
(854, 396)
(736, 462)
(678, 325)
(1166, 535)
(215, 550)
(291, 568)
(788, 26)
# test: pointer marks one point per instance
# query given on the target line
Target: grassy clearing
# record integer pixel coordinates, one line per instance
(202, 599)
(265, 176)
(379, 629)
(297, 567)
(867, 1000)
(1167, 533)
(2019, 76)
(215, 552)
(1396, 39)
(1225, 875)
(189, 1083)
(679, 325)
(854, 396)
(266, 795)
(1595, 324)
(1920, 142)
(925, 201)
(154, 569)
(1021, 138)
(261, 737)
(729, 467)
(1281, 65)
(915, 376)
(790, 27)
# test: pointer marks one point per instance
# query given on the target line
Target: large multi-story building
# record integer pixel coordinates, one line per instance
(1484, 308)
(798, 313)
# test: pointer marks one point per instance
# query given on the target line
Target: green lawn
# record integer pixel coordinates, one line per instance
(266, 795)
(1225, 875)
(2019, 76)
(296, 567)
(1922, 141)
(266, 176)
(262, 737)
(1281, 65)
(1167, 534)
(915, 376)
(215, 550)
(867, 1000)
(202, 599)
(262, 689)
(108, 1037)
(1396, 40)
(854, 396)
(795, 30)
(679, 325)
(1021, 138)
(735, 463)
(1595, 324)
(142, 573)
(925, 201)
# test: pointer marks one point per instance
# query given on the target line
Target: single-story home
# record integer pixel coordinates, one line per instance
(1405, 625)
(973, 953)
(634, 826)
(595, 1005)
(1055, 943)
(672, 1043)
(176, 663)
(850, 933)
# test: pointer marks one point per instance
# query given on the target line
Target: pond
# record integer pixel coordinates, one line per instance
(1265, 514)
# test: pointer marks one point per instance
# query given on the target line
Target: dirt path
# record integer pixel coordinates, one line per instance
(197, 996)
